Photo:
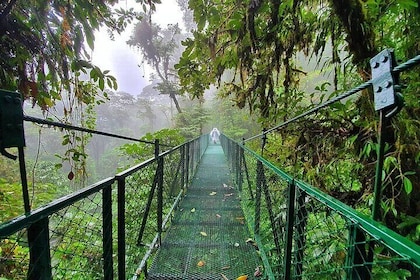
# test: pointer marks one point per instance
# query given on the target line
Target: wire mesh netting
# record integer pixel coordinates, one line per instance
(306, 234)
(102, 231)
(69, 241)
(208, 237)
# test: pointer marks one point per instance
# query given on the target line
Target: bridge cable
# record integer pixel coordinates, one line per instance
(400, 68)
(82, 129)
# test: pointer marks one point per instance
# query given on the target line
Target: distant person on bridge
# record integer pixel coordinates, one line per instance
(214, 135)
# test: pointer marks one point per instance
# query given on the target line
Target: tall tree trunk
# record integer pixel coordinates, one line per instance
(173, 97)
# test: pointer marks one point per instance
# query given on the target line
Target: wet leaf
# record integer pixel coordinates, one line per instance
(203, 233)
(213, 193)
(242, 277)
(193, 210)
(257, 272)
(223, 276)
(200, 263)
(70, 176)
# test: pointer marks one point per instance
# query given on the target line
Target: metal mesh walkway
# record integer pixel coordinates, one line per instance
(207, 239)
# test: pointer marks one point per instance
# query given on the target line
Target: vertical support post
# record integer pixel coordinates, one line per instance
(260, 178)
(251, 194)
(388, 101)
(187, 162)
(108, 265)
(39, 250)
(290, 222)
(239, 171)
(159, 174)
(300, 227)
(121, 228)
(260, 171)
(356, 257)
(24, 180)
(379, 167)
(183, 181)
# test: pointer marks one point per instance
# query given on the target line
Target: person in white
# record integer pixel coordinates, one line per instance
(214, 135)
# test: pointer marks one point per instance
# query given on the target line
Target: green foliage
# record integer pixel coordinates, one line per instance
(11, 253)
(230, 120)
(159, 47)
(190, 122)
(260, 54)
(142, 151)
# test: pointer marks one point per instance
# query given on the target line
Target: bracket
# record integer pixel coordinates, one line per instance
(385, 83)
(11, 122)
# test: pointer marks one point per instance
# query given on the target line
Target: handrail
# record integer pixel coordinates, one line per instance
(20, 222)
(374, 228)
(301, 210)
(96, 202)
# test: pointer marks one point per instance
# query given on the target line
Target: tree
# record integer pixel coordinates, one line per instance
(43, 51)
(159, 47)
(260, 43)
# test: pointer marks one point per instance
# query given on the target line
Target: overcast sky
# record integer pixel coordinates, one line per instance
(124, 61)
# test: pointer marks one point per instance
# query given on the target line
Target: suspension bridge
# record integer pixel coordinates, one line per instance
(205, 211)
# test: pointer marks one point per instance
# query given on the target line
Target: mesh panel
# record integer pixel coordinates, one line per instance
(137, 191)
(208, 233)
(307, 236)
(14, 256)
(70, 228)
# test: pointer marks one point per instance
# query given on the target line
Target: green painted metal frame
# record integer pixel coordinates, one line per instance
(36, 221)
(391, 239)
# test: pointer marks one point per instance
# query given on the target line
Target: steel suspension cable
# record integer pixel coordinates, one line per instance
(315, 109)
(82, 129)
(400, 68)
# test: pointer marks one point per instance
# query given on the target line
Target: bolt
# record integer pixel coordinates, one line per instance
(379, 89)
(388, 84)
(375, 64)
(384, 58)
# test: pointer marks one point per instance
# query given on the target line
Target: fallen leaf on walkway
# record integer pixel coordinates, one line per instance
(213, 193)
(242, 277)
(241, 220)
(236, 244)
(228, 194)
(223, 276)
(218, 216)
(257, 272)
(203, 233)
(193, 210)
(225, 186)
(200, 263)
(226, 267)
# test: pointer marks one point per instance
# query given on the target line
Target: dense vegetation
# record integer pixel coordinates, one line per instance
(262, 55)
(272, 59)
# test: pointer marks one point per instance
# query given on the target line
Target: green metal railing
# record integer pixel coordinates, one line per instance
(108, 230)
(105, 230)
(303, 233)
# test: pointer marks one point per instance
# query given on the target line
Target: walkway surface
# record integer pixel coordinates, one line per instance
(207, 239)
